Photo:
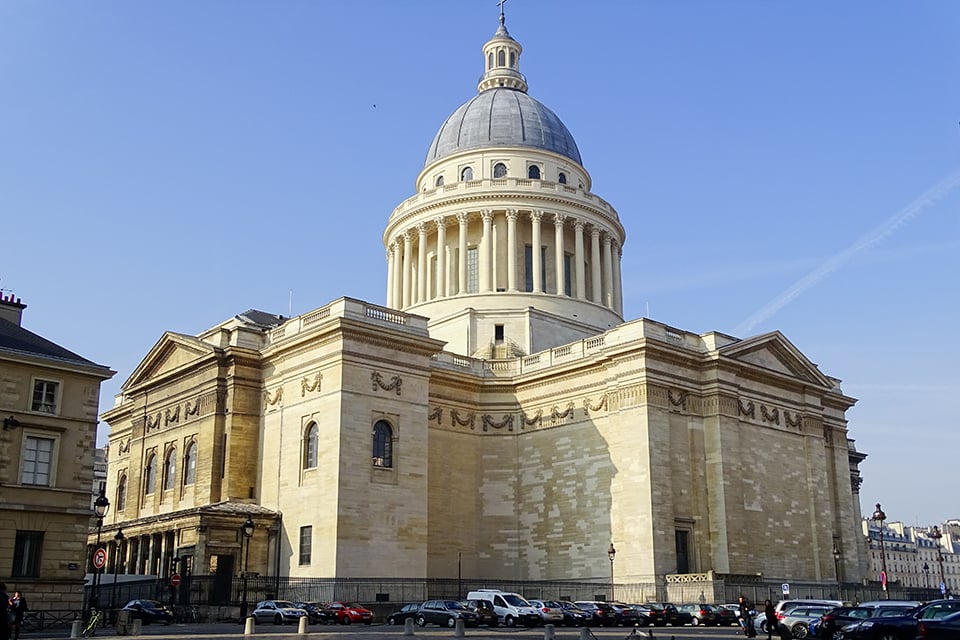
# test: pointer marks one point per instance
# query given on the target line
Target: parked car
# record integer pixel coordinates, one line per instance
(149, 611)
(835, 619)
(886, 625)
(407, 611)
(445, 613)
(798, 619)
(346, 613)
(550, 612)
(725, 616)
(277, 612)
(946, 628)
(669, 614)
(573, 616)
(317, 612)
(627, 615)
(703, 614)
(512, 608)
(601, 614)
(486, 615)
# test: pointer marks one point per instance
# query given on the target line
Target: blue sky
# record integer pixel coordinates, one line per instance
(788, 166)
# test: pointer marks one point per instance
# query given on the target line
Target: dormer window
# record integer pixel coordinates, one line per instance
(439, 181)
(499, 170)
(562, 178)
(467, 174)
(533, 172)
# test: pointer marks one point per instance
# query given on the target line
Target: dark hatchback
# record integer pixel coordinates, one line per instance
(903, 627)
(628, 616)
(834, 620)
(317, 612)
(149, 611)
(406, 612)
(573, 616)
(486, 616)
(601, 614)
(667, 613)
(946, 628)
(445, 613)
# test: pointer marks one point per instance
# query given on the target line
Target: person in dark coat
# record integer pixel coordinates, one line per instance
(18, 603)
(4, 613)
(771, 618)
(744, 609)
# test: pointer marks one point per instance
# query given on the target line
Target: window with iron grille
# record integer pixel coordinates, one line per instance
(382, 444)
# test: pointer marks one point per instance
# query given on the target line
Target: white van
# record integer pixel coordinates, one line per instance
(511, 608)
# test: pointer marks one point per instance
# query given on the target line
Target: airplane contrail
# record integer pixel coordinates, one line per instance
(889, 226)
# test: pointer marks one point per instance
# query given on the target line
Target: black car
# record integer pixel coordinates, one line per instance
(317, 613)
(836, 619)
(601, 614)
(902, 627)
(946, 628)
(667, 613)
(445, 613)
(573, 616)
(149, 611)
(486, 616)
(406, 612)
(627, 616)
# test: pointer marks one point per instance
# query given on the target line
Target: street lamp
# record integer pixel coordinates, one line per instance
(611, 553)
(926, 575)
(100, 507)
(935, 535)
(247, 531)
(119, 538)
(836, 564)
(880, 516)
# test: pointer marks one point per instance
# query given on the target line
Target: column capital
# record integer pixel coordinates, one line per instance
(559, 219)
(536, 215)
(578, 224)
(463, 217)
(440, 221)
(595, 232)
(512, 214)
(408, 235)
(422, 228)
(486, 214)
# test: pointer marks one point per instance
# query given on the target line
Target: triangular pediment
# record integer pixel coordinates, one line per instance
(772, 351)
(173, 352)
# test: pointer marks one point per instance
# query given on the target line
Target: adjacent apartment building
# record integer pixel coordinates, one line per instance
(49, 399)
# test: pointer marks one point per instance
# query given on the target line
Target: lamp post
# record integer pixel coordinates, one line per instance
(100, 507)
(935, 535)
(926, 575)
(611, 553)
(247, 530)
(119, 538)
(836, 564)
(880, 517)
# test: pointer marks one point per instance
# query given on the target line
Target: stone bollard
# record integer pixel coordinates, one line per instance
(549, 632)
(135, 627)
(458, 629)
(303, 626)
(250, 626)
(76, 628)
(408, 627)
(585, 633)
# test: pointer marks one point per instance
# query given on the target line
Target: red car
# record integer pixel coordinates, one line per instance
(346, 613)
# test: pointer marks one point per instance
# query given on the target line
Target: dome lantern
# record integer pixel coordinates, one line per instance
(501, 55)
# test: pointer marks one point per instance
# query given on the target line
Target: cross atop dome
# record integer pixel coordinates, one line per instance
(502, 60)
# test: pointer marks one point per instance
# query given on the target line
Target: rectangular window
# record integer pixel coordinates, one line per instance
(473, 270)
(26, 554)
(37, 461)
(306, 544)
(528, 268)
(567, 285)
(45, 396)
(498, 333)
(683, 550)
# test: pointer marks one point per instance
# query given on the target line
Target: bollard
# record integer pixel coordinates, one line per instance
(549, 632)
(250, 626)
(303, 626)
(458, 629)
(135, 627)
(76, 628)
(585, 633)
(408, 627)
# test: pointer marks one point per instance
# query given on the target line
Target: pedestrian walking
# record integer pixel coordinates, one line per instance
(746, 612)
(18, 603)
(771, 618)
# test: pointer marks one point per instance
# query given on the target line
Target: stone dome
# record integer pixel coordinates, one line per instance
(503, 117)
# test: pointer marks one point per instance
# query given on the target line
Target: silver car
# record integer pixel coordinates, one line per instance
(550, 612)
(277, 612)
(798, 619)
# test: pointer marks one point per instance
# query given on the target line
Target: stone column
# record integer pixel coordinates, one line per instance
(486, 252)
(558, 219)
(512, 249)
(607, 272)
(390, 275)
(422, 263)
(407, 267)
(617, 282)
(595, 264)
(578, 258)
(462, 258)
(535, 218)
(397, 274)
(441, 278)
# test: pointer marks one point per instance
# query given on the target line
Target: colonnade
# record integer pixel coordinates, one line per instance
(147, 555)
(484, 265)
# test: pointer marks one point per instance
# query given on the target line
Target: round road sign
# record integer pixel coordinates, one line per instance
(175, 580)
(99, 558)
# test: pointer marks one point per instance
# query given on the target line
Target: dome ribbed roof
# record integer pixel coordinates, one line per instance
(503, 117)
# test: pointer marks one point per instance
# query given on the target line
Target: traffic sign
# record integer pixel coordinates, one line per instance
(786, 588)
(100, 558)
(943, 589)
(883, 578)
(175, 580)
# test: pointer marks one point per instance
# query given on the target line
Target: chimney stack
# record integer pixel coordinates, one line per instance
(11, 309)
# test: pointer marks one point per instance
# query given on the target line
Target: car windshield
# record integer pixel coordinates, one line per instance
(453, 604)
(552, 604)
(285, 604)
(515, 600)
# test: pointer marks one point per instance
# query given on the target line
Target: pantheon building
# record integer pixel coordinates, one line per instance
(495, 416)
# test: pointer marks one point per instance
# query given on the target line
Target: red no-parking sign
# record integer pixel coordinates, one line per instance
(99, 558)
(175, 580)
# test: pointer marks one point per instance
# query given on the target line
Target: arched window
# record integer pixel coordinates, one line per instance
(190, 464)
(170, 470)
(562, 178)
(501, 58)
(150, 475)
(121, 499)
(466, 174)
(439, 182)
(490, 60)
(513, 60)
(382, 444)
(499, 170)
(533, 172)
(310, 443)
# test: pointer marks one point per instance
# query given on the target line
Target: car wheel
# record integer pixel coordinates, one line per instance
(837, 635)
(347, 620)
(451, 622)
(421, 621)
(391, 620)
(799, 630)
(509, 621)
(695, 621)
(278, 619)
(888, 635)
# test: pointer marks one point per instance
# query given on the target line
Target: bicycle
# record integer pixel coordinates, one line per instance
(96, 617)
